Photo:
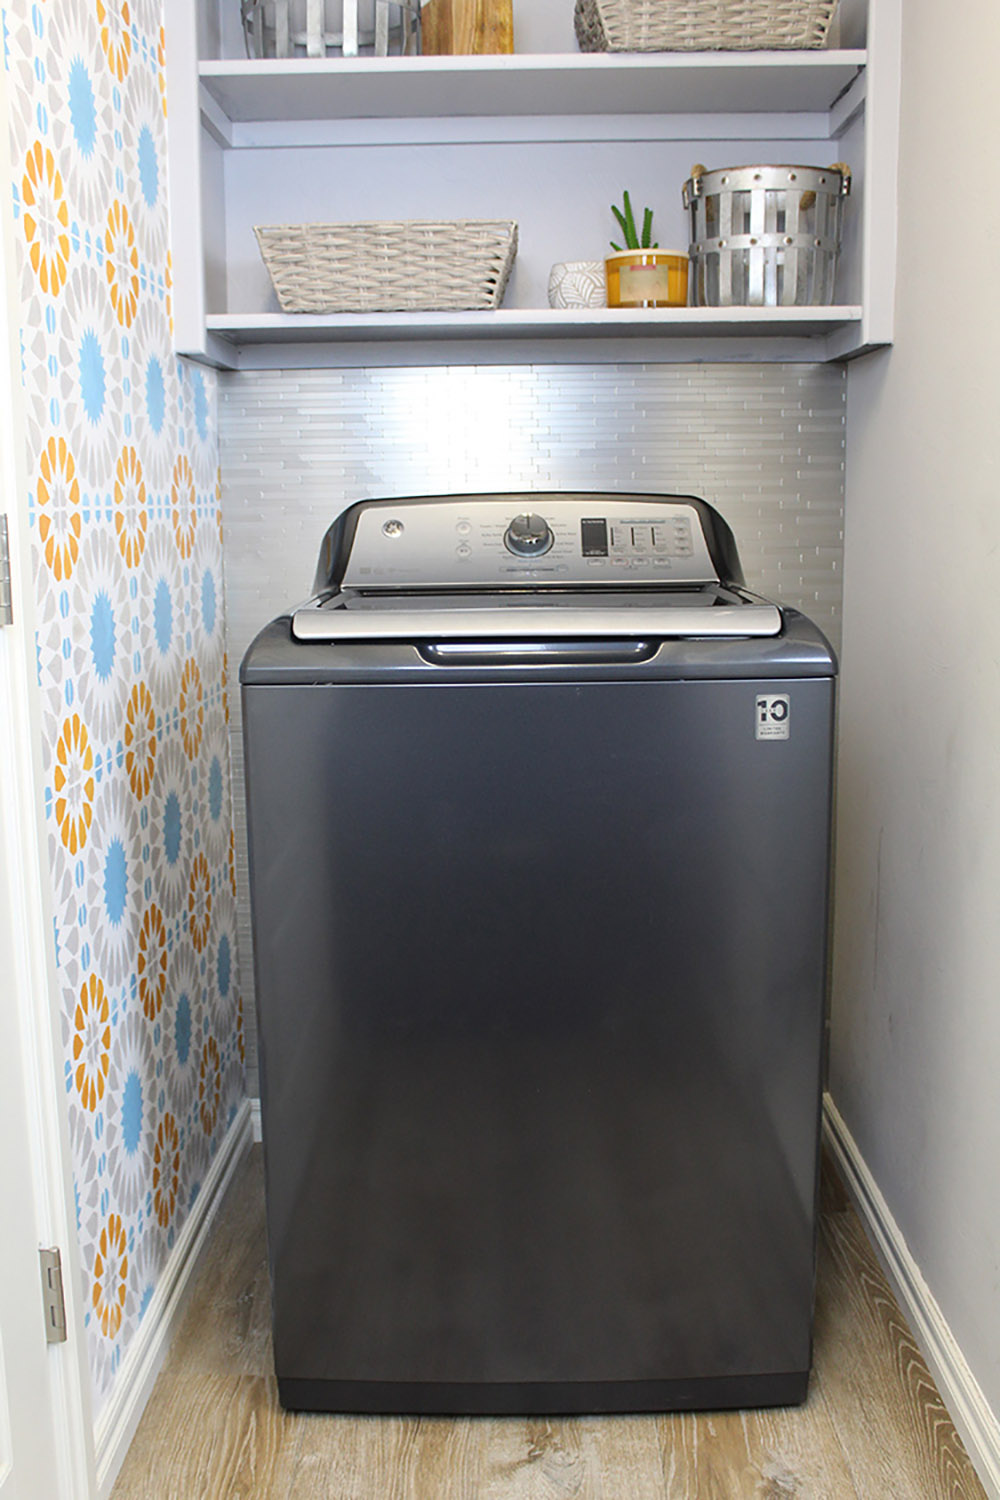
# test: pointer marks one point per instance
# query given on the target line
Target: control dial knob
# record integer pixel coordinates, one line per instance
(528, 536)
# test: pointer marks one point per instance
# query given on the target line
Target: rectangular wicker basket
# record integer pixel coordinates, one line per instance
(386, 267)
(701, 25)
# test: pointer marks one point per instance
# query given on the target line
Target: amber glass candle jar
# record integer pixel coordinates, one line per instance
(647, 278)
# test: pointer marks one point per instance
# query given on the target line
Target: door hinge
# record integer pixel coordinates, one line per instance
(6, 602)
(52, 1296)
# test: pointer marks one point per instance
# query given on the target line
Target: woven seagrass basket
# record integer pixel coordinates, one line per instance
(701, 25)
(385, 267)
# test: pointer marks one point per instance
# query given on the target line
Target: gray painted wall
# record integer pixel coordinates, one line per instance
(764, 443)
(915, 1035)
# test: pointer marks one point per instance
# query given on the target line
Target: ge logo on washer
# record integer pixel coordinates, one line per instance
(773, 712)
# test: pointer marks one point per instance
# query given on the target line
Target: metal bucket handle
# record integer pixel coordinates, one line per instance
(692, 189)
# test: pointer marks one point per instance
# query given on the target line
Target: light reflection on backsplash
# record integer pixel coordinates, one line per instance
(763, 443)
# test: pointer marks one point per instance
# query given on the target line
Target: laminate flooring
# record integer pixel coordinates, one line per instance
(873, 1427)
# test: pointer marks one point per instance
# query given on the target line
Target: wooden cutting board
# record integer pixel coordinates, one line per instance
(450, 28)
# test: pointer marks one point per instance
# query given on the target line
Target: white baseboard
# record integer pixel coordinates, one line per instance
(967, 1406)
(255, 1120)
(116, 1425)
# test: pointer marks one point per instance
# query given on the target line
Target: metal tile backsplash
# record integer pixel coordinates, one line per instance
(763, 443)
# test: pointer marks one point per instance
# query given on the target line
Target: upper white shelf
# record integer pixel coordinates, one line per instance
(549, 84)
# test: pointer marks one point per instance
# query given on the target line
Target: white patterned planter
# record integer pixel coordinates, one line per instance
(577, 283)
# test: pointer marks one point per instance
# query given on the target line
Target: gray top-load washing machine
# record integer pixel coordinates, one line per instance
(539, 805)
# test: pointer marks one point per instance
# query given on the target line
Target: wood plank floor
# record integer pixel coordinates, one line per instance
(873, 1428)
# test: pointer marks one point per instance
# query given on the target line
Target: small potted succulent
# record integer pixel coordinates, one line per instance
(641, 274)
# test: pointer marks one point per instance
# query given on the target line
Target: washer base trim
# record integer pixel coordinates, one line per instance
(456, 1398)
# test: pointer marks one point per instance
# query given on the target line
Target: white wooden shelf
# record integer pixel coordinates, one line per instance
(547, 136)
(540, 322)
(591, 84)
(680, 334)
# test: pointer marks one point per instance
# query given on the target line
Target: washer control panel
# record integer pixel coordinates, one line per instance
(486, 542)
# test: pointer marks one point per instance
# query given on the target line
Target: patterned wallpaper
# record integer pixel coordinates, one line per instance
(124, 508)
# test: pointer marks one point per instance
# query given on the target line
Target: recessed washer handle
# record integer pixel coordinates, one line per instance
(545, 653)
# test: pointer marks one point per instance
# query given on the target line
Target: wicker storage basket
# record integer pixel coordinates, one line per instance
(384, 267)
(701, 25)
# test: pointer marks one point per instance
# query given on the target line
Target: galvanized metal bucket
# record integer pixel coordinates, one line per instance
(319, 28)
(765, 236)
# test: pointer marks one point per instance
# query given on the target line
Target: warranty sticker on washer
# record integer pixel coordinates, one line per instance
(772, 717)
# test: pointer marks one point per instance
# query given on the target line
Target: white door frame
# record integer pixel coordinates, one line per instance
(37, 1382)
(31, 988)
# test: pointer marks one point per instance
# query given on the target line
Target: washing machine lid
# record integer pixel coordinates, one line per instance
(705, 611)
